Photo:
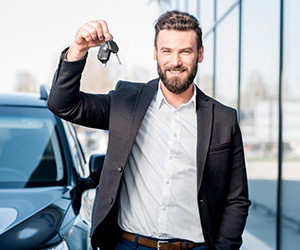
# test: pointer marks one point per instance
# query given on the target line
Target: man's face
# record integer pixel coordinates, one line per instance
(177, 59)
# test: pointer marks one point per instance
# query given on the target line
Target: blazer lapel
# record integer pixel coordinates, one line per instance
(204, 127)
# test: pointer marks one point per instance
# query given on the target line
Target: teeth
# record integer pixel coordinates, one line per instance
(175, 72)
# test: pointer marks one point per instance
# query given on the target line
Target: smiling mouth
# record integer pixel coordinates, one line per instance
(176, 70)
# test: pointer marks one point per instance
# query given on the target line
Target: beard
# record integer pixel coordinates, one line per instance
(177, 85)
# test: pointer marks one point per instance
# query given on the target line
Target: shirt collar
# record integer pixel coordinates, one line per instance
(161, 100)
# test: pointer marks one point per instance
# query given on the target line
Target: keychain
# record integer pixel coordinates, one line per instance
(105, 50)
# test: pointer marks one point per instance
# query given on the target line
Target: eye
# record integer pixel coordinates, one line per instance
(187, 51)
(165, 51)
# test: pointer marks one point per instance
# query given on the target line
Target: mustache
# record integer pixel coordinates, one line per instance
(176, 68)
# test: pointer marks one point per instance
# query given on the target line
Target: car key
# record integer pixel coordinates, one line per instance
(105, 50)
(103, 53)
(113, 47)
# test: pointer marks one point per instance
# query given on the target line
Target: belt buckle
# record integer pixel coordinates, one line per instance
(161, 242)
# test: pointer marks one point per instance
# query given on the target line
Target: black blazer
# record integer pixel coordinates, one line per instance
(221, 176)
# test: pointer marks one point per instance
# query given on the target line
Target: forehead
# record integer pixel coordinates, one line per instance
(175, 38)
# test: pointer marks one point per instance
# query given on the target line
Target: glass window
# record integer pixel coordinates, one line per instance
(259, 118)
(227, 60)
(77, 153)
(290, 219)
(206, 15)
(223, 6)
(206, 67)
(30, 152)
(193, 7)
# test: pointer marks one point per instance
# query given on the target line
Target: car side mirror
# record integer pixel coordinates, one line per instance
(96, 165)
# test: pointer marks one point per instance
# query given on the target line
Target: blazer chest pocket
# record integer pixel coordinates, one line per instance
(218, 148)
(217, 166)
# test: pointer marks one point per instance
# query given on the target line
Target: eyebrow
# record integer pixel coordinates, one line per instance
(186, 48)
(162, 48)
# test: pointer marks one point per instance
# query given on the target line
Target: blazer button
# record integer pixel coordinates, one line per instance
(120, 169)
(201, 200)
(110, 200)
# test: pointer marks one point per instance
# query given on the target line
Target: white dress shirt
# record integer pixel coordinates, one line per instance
(159, 191)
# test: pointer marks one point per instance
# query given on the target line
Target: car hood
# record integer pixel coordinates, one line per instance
(31, 217)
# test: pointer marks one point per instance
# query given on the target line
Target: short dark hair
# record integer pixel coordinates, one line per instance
(178, 20)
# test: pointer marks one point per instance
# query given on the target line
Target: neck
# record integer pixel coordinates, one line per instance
(177, 99)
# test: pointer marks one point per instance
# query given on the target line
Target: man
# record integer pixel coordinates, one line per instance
(174, 175)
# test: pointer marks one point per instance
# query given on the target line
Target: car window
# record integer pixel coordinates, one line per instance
(30, 153)
(77, 153)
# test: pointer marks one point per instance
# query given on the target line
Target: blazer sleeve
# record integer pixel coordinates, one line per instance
(68, 102)
(237, 203)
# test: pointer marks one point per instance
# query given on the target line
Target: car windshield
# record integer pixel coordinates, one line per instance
(30, 154)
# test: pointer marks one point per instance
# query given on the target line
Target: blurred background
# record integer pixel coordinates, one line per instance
(251, 62)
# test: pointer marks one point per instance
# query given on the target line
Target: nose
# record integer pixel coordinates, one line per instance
(175, 59)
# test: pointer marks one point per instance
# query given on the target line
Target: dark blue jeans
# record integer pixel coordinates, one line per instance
(128, 245)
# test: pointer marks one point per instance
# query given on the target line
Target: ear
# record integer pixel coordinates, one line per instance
(155, 53)
(201, 54)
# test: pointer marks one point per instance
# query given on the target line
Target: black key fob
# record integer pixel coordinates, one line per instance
(104, 53)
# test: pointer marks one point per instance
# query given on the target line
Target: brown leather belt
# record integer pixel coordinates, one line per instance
(159, 244)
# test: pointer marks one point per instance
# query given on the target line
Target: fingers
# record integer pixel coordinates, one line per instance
(94, 31)
(105, 30)
(89, 35)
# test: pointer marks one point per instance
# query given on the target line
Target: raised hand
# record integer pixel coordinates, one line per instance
(89, 35)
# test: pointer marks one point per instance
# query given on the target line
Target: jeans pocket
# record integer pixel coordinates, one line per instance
(200, 248)
(125, 245)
